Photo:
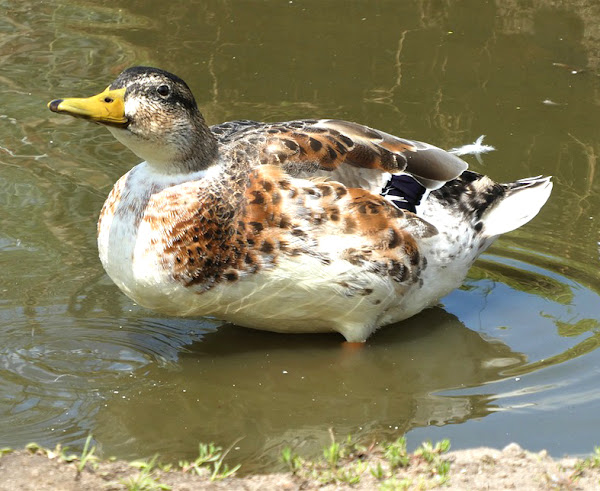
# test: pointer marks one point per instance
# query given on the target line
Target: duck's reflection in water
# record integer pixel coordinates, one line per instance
(274, 390)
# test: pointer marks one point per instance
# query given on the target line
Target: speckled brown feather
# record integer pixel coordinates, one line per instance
(224, 235)
(304, 147)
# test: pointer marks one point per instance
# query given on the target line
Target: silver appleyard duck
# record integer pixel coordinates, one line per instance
(313, 225)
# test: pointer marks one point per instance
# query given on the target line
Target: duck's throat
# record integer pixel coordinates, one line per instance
(174, 153)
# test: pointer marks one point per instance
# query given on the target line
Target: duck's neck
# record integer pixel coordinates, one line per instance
(186, 151)
(198, 152)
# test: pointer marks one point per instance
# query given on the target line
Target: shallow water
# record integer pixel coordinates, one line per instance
(511, 356)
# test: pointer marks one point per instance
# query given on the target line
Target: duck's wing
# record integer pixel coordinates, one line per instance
(353, 154)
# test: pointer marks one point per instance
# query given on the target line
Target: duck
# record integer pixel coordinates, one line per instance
(303, 226)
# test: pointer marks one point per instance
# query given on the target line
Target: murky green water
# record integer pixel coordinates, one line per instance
(509, 357)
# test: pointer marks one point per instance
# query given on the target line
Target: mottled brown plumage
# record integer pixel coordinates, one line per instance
(281, 226)
(305, 147)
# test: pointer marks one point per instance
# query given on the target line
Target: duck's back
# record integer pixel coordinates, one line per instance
(354, 154)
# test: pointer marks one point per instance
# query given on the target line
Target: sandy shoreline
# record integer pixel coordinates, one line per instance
(373, 468)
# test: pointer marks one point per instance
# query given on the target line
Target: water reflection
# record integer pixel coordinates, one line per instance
(273, 389)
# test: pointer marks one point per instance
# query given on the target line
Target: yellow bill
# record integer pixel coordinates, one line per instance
(108, 107)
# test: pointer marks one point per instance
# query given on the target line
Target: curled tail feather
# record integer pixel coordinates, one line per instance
(499, 208)
(522, 201)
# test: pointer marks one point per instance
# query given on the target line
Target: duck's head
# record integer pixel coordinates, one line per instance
(154, 114)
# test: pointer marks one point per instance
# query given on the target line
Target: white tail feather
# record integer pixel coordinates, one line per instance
(521, 204)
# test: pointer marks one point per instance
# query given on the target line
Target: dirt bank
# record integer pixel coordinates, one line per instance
(385, 467)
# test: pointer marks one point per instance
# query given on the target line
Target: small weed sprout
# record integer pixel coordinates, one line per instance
(378, 472)
(443, 446)
(431, 453)
(595, 459)
(426, 452)
(210, 456)
(396, 453)
(146, 479)
(33, 448)
(443, 470)
(332, 454)
(350, 475)
(589, 463)
(5, 451)
(223, 473)
(207, 453)
(87, 455)
(291, 460)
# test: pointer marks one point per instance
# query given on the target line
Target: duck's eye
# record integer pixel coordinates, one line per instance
(163, 90)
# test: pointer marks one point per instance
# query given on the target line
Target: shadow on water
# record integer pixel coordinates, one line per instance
(273, 389)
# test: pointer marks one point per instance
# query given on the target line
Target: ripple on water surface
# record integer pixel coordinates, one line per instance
(57, 371)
